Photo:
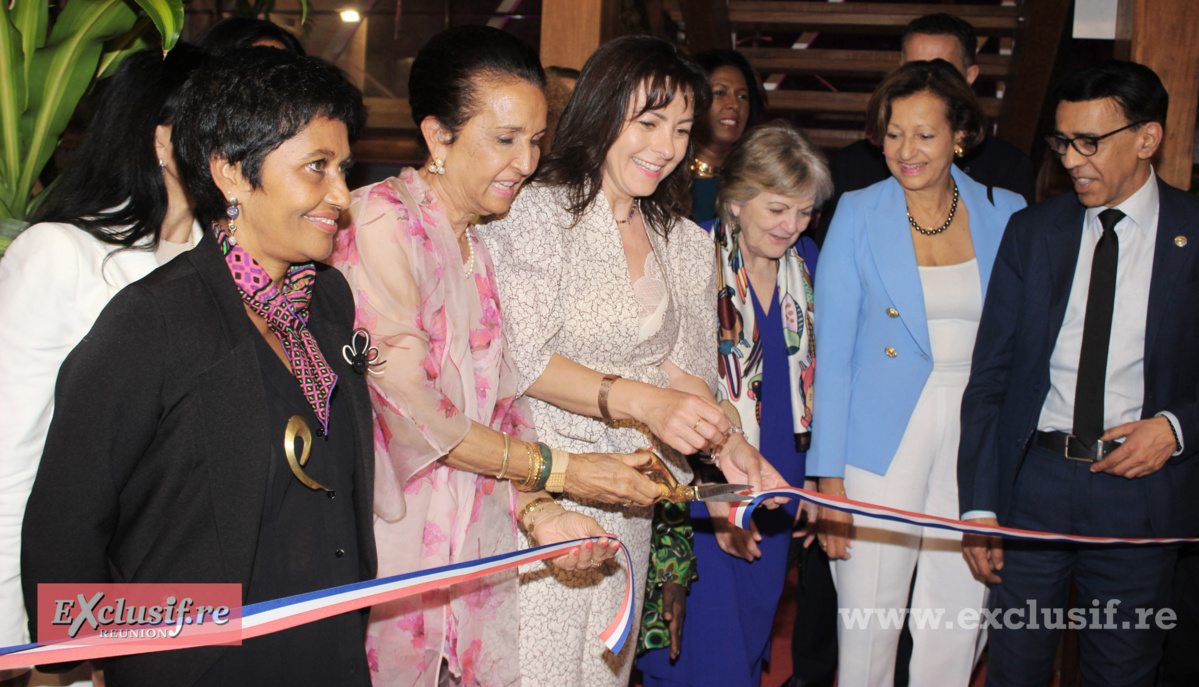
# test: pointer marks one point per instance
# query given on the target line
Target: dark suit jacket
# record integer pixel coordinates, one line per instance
(1021, 320)
(155, 467)
(994, 163)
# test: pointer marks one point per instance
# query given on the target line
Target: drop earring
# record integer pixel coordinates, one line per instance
(232, 212)
(437, 166)
(958, 151)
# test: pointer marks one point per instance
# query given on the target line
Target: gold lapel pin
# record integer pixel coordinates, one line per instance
(1180, 241)
(298, 429)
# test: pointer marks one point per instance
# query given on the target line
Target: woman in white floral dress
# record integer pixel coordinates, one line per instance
(609, 301)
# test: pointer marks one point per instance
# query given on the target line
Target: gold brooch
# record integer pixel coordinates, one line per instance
(1180, 241)
(297, 428)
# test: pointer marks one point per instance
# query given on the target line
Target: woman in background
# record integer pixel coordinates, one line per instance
(906, 265)
(457, 469)
(116, 214)
(737, 103)
(609, 294)
(207, 430)
(772, 182)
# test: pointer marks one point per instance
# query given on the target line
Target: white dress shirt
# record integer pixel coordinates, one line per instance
(1124, 387)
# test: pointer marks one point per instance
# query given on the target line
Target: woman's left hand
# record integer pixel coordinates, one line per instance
(742, 464)
(808, 531)
(565, 525)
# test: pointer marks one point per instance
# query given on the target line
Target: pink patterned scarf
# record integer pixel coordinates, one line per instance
(286, 313)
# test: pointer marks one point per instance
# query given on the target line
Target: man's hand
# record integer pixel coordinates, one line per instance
(983, 554)
(674, 609)
(1149, 445)
(808, 531)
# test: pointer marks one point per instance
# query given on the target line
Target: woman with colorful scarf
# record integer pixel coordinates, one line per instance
(209, 428)
(771, 184)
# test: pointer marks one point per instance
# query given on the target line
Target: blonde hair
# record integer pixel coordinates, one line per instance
(773, 158)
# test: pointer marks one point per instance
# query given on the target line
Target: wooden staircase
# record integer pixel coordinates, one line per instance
(820, 60)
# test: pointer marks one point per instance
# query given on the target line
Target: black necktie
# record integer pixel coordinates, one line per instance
(1096, 333)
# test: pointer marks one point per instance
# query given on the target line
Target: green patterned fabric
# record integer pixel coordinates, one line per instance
(671, 559)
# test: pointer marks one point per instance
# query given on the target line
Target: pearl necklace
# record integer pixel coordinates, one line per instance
(632, 211)
(469, 265)
(933, 232)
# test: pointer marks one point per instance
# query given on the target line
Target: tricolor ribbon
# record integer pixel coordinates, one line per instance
(281, 614)
(741, 512)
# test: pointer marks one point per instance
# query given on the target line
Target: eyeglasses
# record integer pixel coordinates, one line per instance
(1085, 145)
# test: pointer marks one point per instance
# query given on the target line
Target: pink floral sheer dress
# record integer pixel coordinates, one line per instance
(440, 332)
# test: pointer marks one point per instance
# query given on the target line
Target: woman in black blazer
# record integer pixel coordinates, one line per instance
(166, 458)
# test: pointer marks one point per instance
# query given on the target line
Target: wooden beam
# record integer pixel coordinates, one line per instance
(572, 29)
(863, 15)
(1161, 36)
(1039, 45)
(841, 102)
(707, 24)
(870, 62)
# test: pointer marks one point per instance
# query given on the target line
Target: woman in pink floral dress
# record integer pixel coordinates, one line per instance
(448, 424)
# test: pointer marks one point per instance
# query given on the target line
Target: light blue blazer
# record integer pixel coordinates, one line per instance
(871, 330)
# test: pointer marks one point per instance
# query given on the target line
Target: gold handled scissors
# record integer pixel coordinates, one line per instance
(670, 490)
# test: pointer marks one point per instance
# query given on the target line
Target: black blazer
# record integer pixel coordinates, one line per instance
(1021, 320)
(155, 466)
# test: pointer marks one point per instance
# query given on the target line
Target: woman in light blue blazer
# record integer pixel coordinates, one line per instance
(898, 297)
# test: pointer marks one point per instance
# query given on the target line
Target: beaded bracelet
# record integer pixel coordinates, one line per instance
(557, 481)
(535, 465)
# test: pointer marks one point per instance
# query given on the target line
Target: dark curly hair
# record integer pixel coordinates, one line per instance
(246, 104)
(598, 109)
(939, 78)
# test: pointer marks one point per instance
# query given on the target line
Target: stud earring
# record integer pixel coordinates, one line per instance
(162, 164)
(232, 212)
(958, 151)
(437, 166)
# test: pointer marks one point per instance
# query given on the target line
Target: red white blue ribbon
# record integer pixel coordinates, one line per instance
(281, 614)
(741, 512)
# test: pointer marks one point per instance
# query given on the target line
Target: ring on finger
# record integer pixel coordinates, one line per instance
(696, 425)
(595, 564)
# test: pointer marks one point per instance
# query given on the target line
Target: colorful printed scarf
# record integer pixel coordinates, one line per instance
(740, 348)
(286, 313)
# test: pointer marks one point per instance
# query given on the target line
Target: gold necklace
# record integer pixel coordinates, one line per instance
(933, 232)
(704, 170)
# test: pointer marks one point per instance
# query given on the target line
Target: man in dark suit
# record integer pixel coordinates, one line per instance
(1081, 414)
(993, 163)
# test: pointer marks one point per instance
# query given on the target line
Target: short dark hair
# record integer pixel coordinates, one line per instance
(444, 76)
(599, 108)
(1136, 88)
(711, 60)
(943, 24)
(243, 32)
(939, 78)
(113, 188)
(246, 104)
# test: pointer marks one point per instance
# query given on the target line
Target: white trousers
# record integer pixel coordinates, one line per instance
(873, 585)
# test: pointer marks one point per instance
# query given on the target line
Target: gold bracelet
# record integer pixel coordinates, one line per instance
(557, 481)
(604, 388)
(504, 465)
(535, 465)
(531, 511)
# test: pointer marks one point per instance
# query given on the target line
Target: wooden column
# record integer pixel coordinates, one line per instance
(572, 29)
(1045, 30)
(1160, 34)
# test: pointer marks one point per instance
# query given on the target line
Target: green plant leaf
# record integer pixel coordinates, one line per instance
(31, 17)
(63, 71)
(167, 16)
(12, 105)
(117, 50)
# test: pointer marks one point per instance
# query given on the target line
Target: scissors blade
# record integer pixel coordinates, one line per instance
(722, 492)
